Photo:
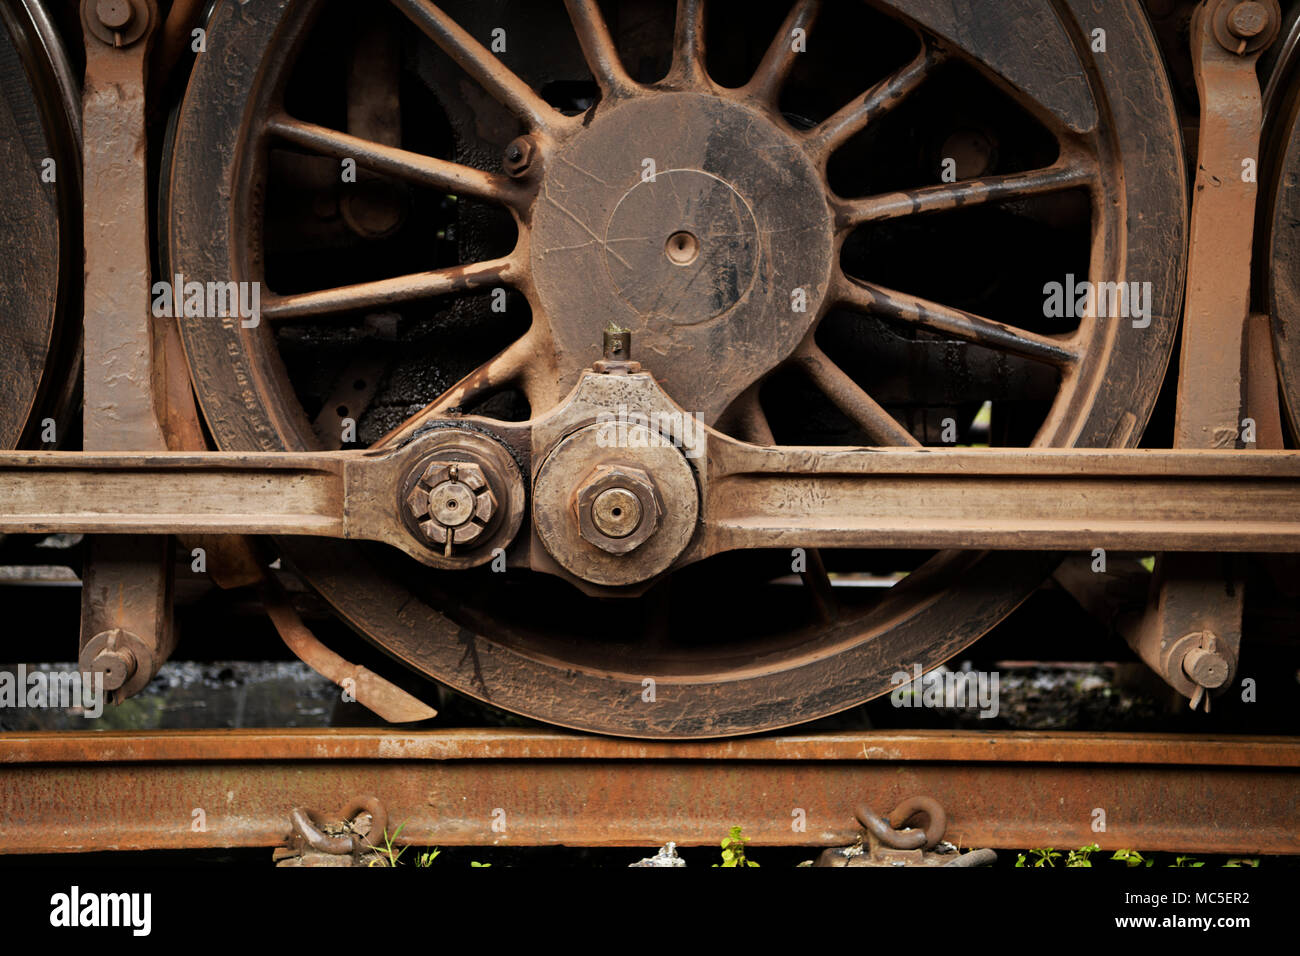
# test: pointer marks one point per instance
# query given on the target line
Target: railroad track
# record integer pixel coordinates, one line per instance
(77, 792)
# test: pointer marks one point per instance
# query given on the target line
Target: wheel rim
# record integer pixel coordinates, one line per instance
(1284, 254)
(39, 229)
(445, 626)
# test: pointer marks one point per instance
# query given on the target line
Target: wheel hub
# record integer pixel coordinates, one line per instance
(696, 222)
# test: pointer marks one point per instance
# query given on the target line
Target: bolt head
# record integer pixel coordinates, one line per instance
(618, 507)
(519, 156)
(451, 499)
(114, 14)
(1247, 20)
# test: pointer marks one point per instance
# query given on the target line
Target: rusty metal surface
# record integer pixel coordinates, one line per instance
(1190, 632)
(889, 842)
(849, 498)
(122, 404)
(1222, 230)
(39, 268)
(1026, 66)
(1282, 265)
(1160, 792)
(1261, 387)
(126, 625)
(364, 686)
(755, 498)
(1194, 616)
(126, 610)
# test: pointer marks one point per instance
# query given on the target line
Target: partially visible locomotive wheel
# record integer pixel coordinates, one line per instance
(40, 227)
(1283, 260)
(753, 274)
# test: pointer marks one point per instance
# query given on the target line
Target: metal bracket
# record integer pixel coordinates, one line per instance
(1191, 631)
(126, 626)
(318, 840)
(888, 842)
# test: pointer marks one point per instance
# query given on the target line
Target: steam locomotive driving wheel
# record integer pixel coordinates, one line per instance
(824, 224)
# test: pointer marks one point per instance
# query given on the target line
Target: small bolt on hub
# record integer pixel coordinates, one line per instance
(617, 353)
(518, 156)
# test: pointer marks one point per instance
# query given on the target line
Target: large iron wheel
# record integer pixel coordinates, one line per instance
(1281, 266)
(775, 170)
(40, 229)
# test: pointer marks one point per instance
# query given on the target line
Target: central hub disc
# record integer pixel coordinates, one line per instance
(696, 221)
(682, 248)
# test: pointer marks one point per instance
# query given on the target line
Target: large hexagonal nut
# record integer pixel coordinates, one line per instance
(452, 502)
(618, 507)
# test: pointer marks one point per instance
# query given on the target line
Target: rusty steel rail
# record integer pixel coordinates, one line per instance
(72, 792)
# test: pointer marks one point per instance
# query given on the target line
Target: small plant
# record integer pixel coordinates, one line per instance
(1080, 857)
(1044, 857)
(733, 850)
(1131, 858)
(1184, 862)
(476, 864)
(1241, 862)
(426, 859)
(389, 853)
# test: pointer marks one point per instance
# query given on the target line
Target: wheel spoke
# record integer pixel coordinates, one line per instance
(909, 309)
(833, 132)
(751, 420)
(688, 45)
(398, 163)
(818, 583)
(780, 56)
(755, 428)
(475, 59)
(386, 292)
(506, 368)
(850, 398)
(598, 47)
(959, 195)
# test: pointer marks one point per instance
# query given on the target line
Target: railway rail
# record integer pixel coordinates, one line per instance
(78, 792)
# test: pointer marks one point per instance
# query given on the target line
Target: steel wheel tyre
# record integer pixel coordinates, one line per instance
(1112, 121)
(40, 227)
(1283, 260)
